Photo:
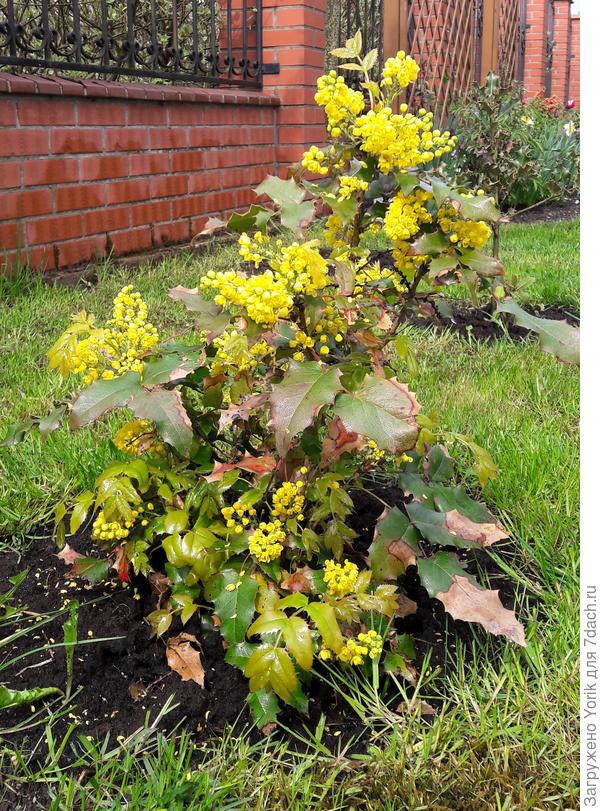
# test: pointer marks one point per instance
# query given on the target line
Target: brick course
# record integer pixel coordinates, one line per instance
(94, 167)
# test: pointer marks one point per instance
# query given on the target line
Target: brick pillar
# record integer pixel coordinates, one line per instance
(575, 61)
(294, 37)
(561, 52)
(534, 76)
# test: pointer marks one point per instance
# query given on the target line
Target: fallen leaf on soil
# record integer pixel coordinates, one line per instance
(184, 659)
(421, 706)
(68, 555)
(137, 690)
(268, 729)
(465, 601)
(482, 534)
(406, 606)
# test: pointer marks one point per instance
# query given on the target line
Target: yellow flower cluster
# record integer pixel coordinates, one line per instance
(288, 500)
(356, 650)
(250, 247)
(300, 342)
(464, 233)
(334, 231)
(405, 263)
(401, 141)
(234, 354)
(313, 161)
(138, 437)
(405, 215)
(349, 185)
(266, 542)
(373, 452)
(103, 530)
(401, 69)
(110, 352)
(373, 274)
(302, 268)
(340, 579)
(339, 101)
(238, 509)
(264, 297)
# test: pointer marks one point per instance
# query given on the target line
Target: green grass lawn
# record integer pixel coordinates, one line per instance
(508, 735)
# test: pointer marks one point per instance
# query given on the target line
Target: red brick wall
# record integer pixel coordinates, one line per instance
(562, 30)
(560, 54)
(537, 19)
(88, 168)
(574, 87)
(143, 166)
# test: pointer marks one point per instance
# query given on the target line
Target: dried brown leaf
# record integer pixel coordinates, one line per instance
(339, 441)
(185, 659)
(406, 606)
(468, 602)
(482, 534)
(403, 552)
(68, 555)
(252, 464)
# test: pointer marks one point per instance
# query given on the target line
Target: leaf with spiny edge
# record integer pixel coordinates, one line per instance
(235, 606)
(395, 545)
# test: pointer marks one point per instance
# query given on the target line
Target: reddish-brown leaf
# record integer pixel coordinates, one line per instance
(406, 606)
(68, 555)
(482, 534)
(466, 601)
(121, 564)
(184, 659)
(339, 441)
(253, 464)
(243, 410)
(300, 580)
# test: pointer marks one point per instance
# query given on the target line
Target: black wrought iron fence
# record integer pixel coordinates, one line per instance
(205, 41)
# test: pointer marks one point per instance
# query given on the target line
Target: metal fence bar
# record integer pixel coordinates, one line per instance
(175, 40)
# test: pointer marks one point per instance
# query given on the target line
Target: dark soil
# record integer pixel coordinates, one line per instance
(478, 322)
(549, 212)
(121, 680)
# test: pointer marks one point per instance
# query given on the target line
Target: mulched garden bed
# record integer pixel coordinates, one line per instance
(549, 212)
(121, 680)
(479, 324)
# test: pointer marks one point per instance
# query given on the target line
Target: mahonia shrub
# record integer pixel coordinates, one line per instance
(253, 433)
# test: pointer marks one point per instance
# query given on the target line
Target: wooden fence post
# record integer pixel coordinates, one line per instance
(395, 27)
(489, 39)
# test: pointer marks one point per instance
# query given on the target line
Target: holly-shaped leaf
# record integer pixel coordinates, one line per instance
(166, 410)
(255, 219)
(465, 600)
(298, 640)
(323, 615)
(271, 667)
(382, 410)
(209, 316)
(288, 197)
(297, 400)
(557, 337)
(264, 707)
(432, 525)
(234, 605)
(437, 572)
(482, 263)
(394, 547)
(92, 569)
(103, 396)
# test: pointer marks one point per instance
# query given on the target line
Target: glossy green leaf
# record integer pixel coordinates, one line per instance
(166, 410)
(297, 400)
(92, 569)
(437, 572)
(264, 707)
(235, 606)
(272, 667)
(432, 525)
(382, 410)
(298, 640)
(103, 396)
(557, 337)
(323, 615)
